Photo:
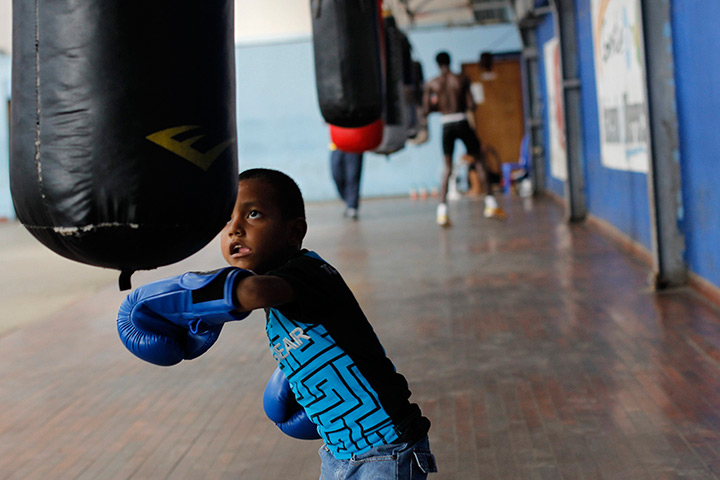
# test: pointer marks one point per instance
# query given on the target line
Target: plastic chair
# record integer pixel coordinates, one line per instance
(523, 164)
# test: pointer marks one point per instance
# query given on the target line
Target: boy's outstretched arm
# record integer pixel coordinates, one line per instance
(262, 291)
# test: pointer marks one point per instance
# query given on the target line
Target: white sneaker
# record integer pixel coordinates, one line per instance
(351, 213)
(442, 216)
(497, 213)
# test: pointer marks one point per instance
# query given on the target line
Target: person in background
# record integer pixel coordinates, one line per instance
(449, 94)
(346, 170)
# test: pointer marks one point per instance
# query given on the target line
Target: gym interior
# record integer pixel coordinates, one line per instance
(578, 339)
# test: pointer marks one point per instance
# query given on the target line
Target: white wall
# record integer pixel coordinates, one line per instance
(271, 18)
(5, 26)
(253, 19)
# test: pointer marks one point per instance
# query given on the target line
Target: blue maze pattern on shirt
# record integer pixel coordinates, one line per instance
(327, 383)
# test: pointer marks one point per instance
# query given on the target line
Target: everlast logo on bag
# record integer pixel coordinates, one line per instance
(184, 148)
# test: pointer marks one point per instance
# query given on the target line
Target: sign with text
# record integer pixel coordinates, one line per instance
(556, 113)
(620, 80)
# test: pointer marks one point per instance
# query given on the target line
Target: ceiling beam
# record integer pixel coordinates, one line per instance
(492, 5)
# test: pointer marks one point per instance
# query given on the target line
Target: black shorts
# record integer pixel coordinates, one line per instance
(463, 131)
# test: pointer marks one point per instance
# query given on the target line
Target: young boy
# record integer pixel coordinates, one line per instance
(318, 334)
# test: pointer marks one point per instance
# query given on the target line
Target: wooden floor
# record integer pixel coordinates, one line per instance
(535, 347)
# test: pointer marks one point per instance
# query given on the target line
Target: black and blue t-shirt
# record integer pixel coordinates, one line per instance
(335, 363)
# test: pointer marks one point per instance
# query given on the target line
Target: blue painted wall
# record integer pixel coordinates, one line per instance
(621, 198)
(545, 32)
(696, 42)
(618, 197)
(279, 123)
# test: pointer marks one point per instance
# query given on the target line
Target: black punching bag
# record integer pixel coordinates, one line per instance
(123, 149)
(346, 44)
(396, 114)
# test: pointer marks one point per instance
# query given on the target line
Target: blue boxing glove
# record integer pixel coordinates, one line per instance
(282, 408)
(179, 318)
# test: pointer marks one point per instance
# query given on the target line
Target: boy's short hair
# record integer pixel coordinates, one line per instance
(287, 192)
(443, 59)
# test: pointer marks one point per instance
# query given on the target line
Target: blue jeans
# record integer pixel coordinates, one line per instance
(346, 171)
(397, 461)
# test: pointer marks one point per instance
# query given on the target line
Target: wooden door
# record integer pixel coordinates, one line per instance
(499, 113)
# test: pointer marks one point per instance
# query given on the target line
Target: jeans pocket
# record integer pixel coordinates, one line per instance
(425, 461)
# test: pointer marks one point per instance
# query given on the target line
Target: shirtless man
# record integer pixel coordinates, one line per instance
(449, 94)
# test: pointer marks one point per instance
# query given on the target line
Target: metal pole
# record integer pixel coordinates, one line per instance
(575, 201)
(664, 179)
(533, 103)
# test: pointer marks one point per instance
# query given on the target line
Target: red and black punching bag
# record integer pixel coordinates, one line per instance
(123, 149)
(346, 45)
(358, 139)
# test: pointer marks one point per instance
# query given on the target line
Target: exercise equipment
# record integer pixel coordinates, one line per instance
(123, 126)
(358, 139)
(346, 44)
(364, 137)
(282, 408)
(396, 111)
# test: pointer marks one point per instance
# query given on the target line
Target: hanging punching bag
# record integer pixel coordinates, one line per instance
(418, 133)
(358, 139)
(365, 137)
(347, 61)
(396, 115)
(123, 147)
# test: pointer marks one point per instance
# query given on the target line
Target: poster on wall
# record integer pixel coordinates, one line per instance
(556, 113)
(620, 78)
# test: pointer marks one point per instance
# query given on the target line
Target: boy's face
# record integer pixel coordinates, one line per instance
(257, 237)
